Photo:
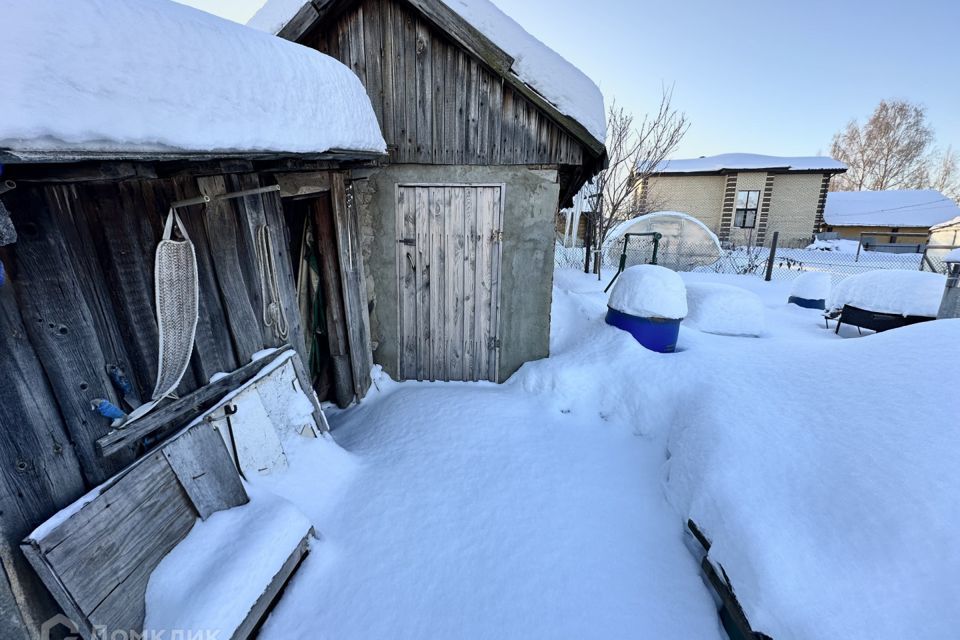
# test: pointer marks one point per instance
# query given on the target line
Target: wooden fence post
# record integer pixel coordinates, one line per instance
(772, 256)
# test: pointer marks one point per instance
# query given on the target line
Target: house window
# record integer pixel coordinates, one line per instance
(747, 204)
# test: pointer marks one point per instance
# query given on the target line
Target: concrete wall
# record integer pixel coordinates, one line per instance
(530, 201)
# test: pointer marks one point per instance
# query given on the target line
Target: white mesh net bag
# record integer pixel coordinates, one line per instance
(177, 299)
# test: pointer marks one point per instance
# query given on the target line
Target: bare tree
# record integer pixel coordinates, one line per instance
(890, 151)
(944, 173)
(634, 153)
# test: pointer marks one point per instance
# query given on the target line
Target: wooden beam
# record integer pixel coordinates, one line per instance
(353, 283)
(180, 412)
(333, 295)
(264, 604)
(202, 464)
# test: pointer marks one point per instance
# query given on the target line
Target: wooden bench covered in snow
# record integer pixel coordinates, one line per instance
(98, 555)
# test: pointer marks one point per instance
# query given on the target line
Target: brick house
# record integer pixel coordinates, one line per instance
(744, 198)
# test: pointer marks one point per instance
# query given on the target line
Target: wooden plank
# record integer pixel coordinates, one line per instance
(109, 533)
(409, 39)
(439, 211)
(483, 284)
(407, 265)
(373, 52)
(246, 327)
(496, 96)
(450, 106)
(425, 86)
(264, 604)
(424, 329)
(213, 350)
(357, 313)
(472, 112)
(333, 295)
(61, 327)
(460, 108)
(496, 194)
(52, 582)
(507, 126)
(438, 59)
(391, 102)
(470, 284)
(180, 412)
(203, 466)
(401, 105)
(453, 279)
(484, 88)
(39, 470)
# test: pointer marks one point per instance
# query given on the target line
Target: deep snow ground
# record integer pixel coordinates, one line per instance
(550, 506)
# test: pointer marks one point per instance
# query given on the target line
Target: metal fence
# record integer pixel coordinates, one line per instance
(787, 263)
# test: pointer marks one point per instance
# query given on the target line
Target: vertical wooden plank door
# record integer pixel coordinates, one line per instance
(448, 269)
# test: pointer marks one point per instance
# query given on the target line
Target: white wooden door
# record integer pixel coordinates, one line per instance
(449, 239)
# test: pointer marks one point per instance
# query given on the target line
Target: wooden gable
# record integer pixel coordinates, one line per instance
(439, 101)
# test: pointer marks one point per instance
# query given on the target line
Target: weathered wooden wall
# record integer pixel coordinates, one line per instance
(79, 296)
(436, 103)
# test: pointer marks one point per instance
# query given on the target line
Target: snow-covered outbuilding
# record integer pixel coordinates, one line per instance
(903, 216)
(489, 132)
(114, 115)
(744, 197)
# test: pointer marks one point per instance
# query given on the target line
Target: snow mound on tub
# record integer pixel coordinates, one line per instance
(649, 291)
(724, 309)
(834, 517)
(155, 76)
(812, 285)
(896, 291)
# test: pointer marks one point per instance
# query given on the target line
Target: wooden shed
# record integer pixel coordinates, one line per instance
(489, 132)
(85, 191)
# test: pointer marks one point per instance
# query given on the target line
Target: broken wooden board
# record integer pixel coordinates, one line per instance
(256, 445)
(96, 556)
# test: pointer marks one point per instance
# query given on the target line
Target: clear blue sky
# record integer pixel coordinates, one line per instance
(771, 77)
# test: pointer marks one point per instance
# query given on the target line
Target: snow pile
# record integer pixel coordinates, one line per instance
(649, 291)
(215, 575)
(903, 208)
(952, 256)
(724, 309)
(562, 84)
(749, 162)
(811, 285)
(832, 509)
(897, 291)
(157, 76)
(841, 245)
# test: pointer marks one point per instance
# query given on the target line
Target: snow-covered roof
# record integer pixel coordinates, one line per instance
(560, 83)
(749, 162)
(948, 223)
(155, 77)
(905, 208)
(952, 256)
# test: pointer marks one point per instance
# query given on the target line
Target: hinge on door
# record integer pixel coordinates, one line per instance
(410, 242)
(493, 344)
(496, 236)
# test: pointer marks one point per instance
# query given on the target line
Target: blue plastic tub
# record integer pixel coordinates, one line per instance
(808, 303)
(656, 334)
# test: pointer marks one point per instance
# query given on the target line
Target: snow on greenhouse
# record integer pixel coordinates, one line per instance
(685, 242)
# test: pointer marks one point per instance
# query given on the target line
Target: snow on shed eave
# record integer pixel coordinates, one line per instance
(160, 79)
(562, 86)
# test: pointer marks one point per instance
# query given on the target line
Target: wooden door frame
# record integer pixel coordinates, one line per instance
(497, 261)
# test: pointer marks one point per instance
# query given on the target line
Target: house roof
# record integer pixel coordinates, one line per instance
(728, 162)
(904, 208)
(559, 87)
(96, 79)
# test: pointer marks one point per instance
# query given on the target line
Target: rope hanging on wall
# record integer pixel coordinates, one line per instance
(177, 299)
(274, 315)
